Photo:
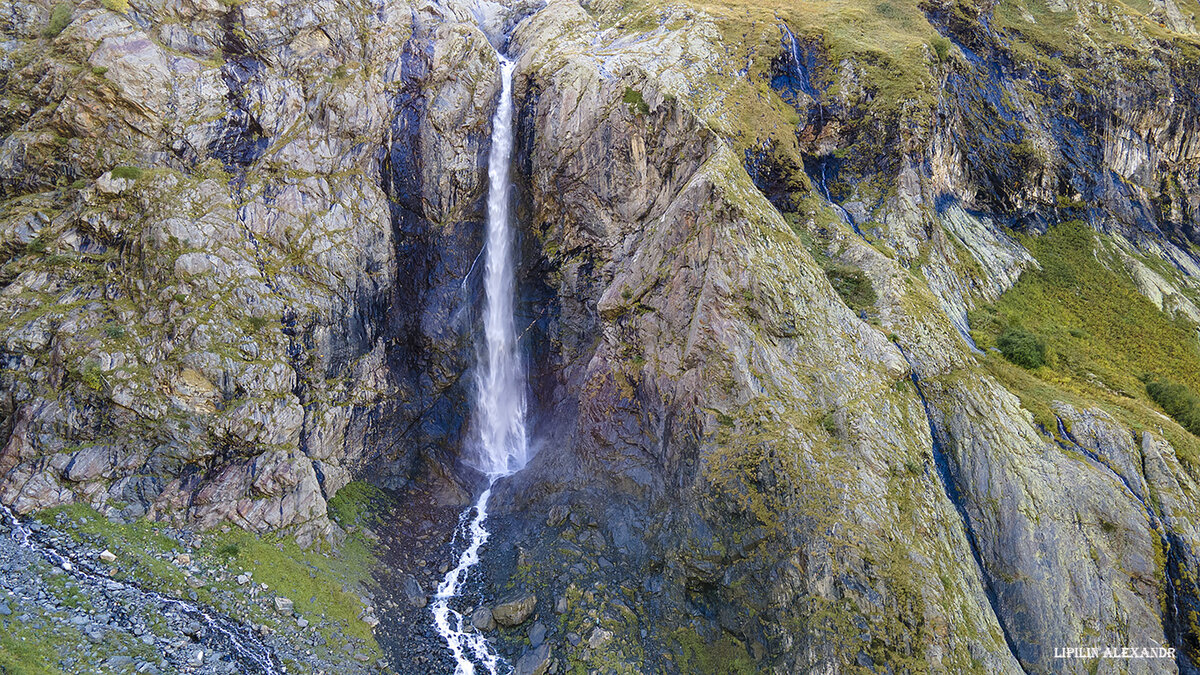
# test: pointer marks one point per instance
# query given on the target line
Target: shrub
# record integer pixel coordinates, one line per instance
(1178, 401)
(230, 550)
(60, 18)
(1022, 348)
(941, 47)
(854, 287)
(92, 376)
(636, 102)
(118, 6)
(127, 172)
(1027, 156)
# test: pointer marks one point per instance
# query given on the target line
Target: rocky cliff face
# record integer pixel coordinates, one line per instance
(240, 268)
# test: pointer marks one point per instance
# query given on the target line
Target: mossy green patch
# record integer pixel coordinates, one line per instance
(60, 18)
(854, 286)
(24, 651)
(724, 656)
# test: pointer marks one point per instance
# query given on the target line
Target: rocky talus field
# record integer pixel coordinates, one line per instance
(861, 336)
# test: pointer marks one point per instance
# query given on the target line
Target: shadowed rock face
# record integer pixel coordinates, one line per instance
(241, 268)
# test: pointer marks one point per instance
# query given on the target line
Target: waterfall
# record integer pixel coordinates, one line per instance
(500, 383)
(499, 411)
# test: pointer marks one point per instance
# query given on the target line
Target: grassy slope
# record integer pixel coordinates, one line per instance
(323, 584)
(1101, 335)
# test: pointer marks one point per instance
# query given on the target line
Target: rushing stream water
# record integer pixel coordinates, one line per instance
(499, 411)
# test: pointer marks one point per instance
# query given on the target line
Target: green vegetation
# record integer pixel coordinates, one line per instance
(941, 47)
(118, 6)
(127, 172)
(91, 375)
(321, 584)
(724, 656)
(1095, 325)
(24, 651)
(1180, 402)
(60, 18)
(1022, 347)
(1099, 337)
(636, 102)
(854, 286)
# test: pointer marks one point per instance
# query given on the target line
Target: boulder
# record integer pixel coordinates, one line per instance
(483, 620)
(536, 661)
(515, 610)
(413, 592)
(284, 606)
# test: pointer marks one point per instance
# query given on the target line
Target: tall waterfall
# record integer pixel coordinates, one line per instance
(499, 411)
(500, 384)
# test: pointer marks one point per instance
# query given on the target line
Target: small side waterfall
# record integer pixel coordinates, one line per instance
(500, 392)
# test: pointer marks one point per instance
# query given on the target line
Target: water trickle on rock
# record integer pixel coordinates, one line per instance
(500, 393)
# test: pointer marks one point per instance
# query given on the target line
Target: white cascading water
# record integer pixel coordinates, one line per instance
(500, 392)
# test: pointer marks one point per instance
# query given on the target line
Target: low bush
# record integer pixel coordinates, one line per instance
(1022, 348)
(854, 287)
(1178, 401)
(127, 172)
(60, 18)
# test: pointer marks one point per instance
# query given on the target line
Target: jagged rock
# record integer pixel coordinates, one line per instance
(599, 637)
(108, 185)
(556, 515)
(537, 634)
(284, 606)
(514, 610)
(412, 591)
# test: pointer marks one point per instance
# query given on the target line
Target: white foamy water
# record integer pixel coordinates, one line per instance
(499, 413)
(500, 379)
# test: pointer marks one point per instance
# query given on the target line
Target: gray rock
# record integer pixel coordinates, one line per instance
(284, 606)
(515, 610)
(412, 591)
(599, 637)
(482, 619)
(533, 662)
(537, 634)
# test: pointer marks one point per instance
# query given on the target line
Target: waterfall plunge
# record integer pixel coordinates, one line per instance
(500, 391)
